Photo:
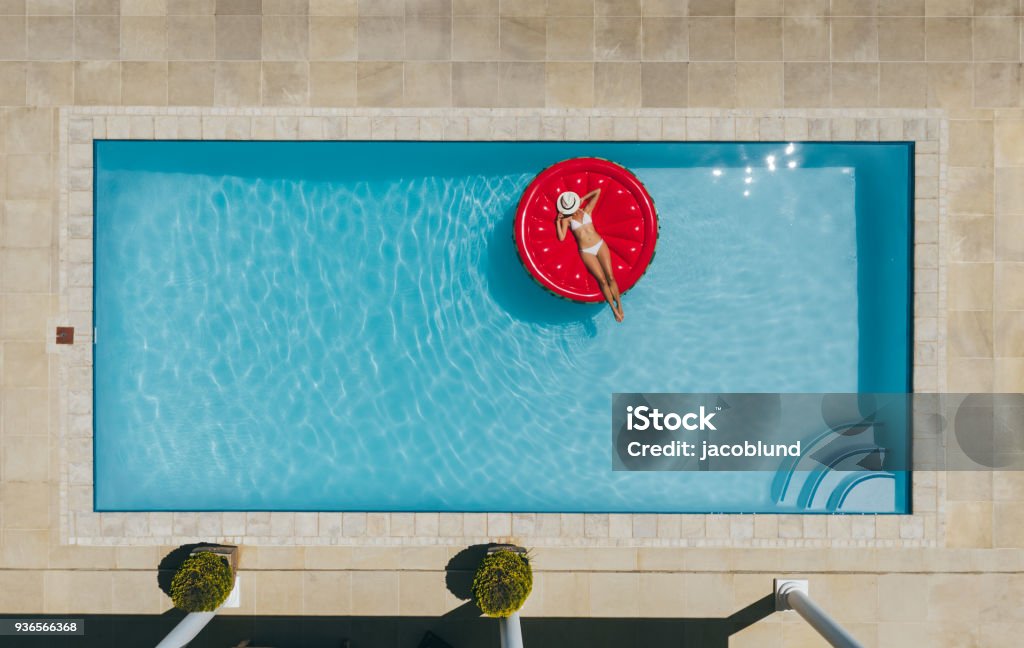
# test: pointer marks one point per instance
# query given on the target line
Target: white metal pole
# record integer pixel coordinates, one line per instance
(186, 630)
(511, 631)
(792, 595)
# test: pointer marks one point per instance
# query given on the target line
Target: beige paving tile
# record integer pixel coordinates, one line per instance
(97, 82)
(759, 85)
(523, 39)
(997, 85)
(133, 592)
(285, 83)
(25, 458)
(21, 591)
(97, 37)
(333, 38)
(190, 83)
(995, 8)
(950, 85)
(996, 39)
(617, 39)
(855, 84)
(807, 84)
(144, 83)
(564, 593)
(239, 37)
(970, 143)
(520, 85)
(333, 7)
(476, 38)
(144, 38)
(224, 7)
(49, 83)
(902, 597)
(24, 269)
(617, 7)
(969, 334)
(191, 38)
(97, 7)
(13, 84)
(614, 594)
(374, 593)
(1009, 142)
(331, 83)
(236, 83)
(285, 7)
(903, 85)
(29, 130)
(970, 190)
(475, 84)
(712, 39)
(759, 39)
(617, 85)
(805, 39)
(326, 593)
(143, 7)
(1009, 334)
(381, 38)
(569, 85)
(83, 592)
(709, 595)
(970, 286)
(24, 549)
(24, 318)
(953, 597)
(971, 237)
(421, 593)
(711, 84)
(663, 594)
(279, 592)
(663, 39)
(1009, 194)
(970, 375)
(664, 85)
(901, 39)
(574, 8)
(854, 39)
(854, 7)
(379, 83)
(1009, 238)
(285, 38)
(1009, 286)
(948, 39)
(428, 39)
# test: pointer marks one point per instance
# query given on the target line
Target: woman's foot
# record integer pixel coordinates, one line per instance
(618, 313)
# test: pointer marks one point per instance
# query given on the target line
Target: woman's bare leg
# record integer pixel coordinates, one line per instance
(605, 258)
(594, 266)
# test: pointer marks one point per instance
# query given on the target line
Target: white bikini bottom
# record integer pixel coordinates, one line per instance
(593, 249)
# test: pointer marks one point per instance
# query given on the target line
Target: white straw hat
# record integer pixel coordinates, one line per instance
(568, 203)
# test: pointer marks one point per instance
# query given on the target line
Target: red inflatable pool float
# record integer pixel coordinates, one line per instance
(625, 218)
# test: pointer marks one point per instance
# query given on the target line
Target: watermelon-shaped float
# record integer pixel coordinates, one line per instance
(625, 218)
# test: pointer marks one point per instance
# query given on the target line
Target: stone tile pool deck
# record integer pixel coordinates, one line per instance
(951, 574)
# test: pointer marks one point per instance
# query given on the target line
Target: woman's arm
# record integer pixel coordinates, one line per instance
(561, 225)
(595, 195)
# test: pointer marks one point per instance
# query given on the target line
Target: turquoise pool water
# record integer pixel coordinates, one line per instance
(346, 326)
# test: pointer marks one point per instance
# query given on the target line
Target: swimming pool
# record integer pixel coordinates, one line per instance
(346, 326)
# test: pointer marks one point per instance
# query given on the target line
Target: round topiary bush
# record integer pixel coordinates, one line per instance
(202, 583)
(502, 582)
